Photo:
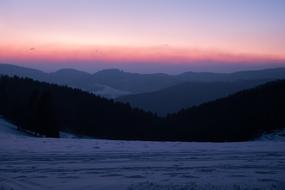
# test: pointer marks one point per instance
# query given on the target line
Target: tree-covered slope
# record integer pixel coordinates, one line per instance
(47, 109)
(242, 116)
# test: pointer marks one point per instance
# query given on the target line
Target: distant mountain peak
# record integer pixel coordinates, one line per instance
(111, 71)
(71, 71)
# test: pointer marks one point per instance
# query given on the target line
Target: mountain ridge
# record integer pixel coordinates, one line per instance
(184, 95)
(113, 83)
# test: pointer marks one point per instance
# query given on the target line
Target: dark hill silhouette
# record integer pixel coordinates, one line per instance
(11, 70)
(75, 79)
(242, 116)
(121, 83)
(69, 77)
(47, 109)
(134, 82)
(264, 74)
(175, 98)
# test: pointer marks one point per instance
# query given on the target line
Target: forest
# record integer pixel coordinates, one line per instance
(47, 109)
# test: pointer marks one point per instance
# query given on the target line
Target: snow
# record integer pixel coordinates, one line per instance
(8, 130)
(42, 163)
(278, 135)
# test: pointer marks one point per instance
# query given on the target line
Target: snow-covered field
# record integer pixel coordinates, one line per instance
(40, 163)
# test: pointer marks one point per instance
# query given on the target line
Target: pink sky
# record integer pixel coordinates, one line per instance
(126, 31)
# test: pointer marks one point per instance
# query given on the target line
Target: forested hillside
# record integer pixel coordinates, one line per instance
(47, 109)
(242, 116)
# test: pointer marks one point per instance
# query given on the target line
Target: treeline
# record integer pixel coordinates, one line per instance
(47, 109)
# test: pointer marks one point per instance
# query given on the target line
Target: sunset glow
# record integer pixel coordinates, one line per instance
(161, 31)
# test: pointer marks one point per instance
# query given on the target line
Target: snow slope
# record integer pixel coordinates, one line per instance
(42, 163)
(8, 130)
(278, 135)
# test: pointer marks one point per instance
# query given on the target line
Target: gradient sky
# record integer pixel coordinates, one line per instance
(130, 33)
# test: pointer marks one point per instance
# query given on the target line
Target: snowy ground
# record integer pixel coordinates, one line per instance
(38, 163)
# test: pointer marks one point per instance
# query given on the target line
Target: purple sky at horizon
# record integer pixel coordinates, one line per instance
(143, 36)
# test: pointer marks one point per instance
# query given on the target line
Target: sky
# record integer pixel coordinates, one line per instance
(143, 35)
